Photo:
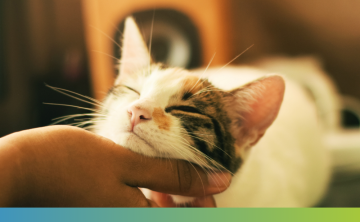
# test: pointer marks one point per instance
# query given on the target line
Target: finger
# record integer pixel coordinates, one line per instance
(131, 197)
(207, 201)
(165, 200)
(171, 176)
(152, 203)
(162, 199)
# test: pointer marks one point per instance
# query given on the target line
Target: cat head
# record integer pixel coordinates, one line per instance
(172, 113)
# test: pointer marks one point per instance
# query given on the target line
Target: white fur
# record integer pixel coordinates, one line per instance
(147, 138)
(289, 166)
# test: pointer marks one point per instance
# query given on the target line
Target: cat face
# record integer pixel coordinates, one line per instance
(169, 112)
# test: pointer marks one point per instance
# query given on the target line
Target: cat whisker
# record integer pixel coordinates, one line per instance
(197, 152)
(237, 56)
(64, 118)
(89, 124)
(66, 92)
(193, 149)
(79, 115)
(183, 132)
(106, 54)
(91, 127)
(117, 28)
(210, 144)
(150, 41)
(207, 67)
(206, 168)
(83, 123)
(215, 164)
(194, 169)
(106, 35)
(169, 160)
(87, 119)
(199, 79)
(79, 107)
(198, 158)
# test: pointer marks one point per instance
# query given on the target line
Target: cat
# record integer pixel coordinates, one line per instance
(262, 128)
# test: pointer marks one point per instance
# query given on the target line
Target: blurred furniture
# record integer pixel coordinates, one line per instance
(101, 19)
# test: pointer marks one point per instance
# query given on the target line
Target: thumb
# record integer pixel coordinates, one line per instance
(171, 176)
(207, 201)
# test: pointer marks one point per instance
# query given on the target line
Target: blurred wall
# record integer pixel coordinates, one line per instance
(43, 43)
(329, 30)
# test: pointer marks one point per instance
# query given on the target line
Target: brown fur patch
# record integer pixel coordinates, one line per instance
(161, 119)
(193, 84)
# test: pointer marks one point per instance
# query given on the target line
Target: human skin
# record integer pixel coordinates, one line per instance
(64, 166)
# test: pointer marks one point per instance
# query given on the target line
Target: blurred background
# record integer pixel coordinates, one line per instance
(73, 44)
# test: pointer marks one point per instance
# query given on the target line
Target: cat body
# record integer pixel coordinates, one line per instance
(235, 119)
(289, 166)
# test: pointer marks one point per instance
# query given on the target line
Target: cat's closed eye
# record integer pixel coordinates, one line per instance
(131, 89)
(120, 89)
(188, 109)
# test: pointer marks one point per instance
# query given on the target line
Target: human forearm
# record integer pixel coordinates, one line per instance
(11, 173)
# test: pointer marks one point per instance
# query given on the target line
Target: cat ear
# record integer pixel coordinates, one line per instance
(134, 53)
(253, 108)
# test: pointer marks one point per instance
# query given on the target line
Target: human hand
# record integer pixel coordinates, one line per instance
(67, 166)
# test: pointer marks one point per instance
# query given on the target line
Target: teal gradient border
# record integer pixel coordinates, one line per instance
(181, 215)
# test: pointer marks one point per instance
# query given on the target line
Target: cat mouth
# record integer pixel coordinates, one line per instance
(133, 134)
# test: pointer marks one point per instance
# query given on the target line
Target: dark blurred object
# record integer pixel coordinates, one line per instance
(350, 112)
(349, 119)
(44, 44)
(343, 191)
(2, 54)
(174, 38)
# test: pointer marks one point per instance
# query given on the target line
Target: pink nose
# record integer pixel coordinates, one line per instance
(138, 115)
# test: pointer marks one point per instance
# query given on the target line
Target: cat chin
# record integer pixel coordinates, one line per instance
(134, 143)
